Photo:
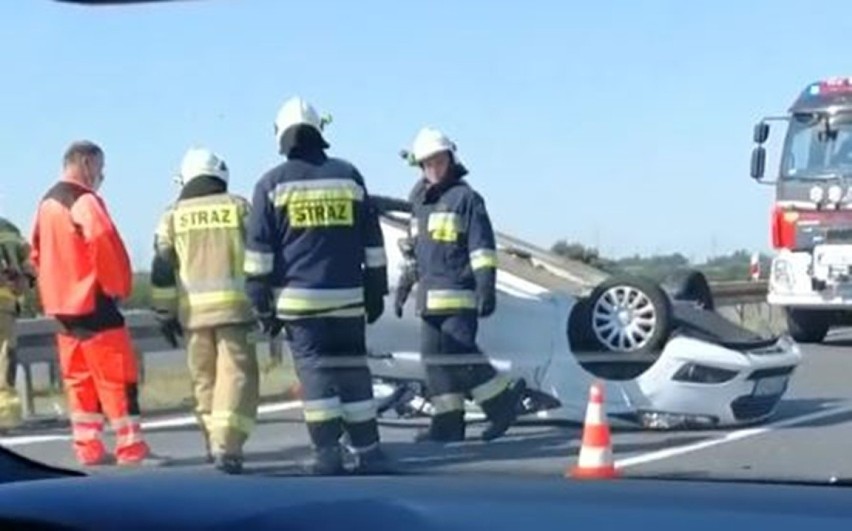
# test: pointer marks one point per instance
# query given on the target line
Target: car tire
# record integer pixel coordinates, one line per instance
(807, 326)
(580, 336)
(629, 314)
(690, 285)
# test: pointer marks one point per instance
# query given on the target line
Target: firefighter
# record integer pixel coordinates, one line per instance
(198, 287)
(16, 276)
(316, 265)
(454, 264)
(83, 272)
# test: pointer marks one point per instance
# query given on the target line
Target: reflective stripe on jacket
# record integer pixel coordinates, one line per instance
(198, 271)
(314, 241)
(455, 249)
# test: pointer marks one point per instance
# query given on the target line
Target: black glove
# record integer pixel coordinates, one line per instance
(271, 326)
(399, 300)
(486, 302)
(171, 329)
(375, 306)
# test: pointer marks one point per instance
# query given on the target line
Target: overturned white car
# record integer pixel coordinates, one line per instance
(666, 357)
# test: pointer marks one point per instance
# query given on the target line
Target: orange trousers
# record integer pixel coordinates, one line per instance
(100, 376)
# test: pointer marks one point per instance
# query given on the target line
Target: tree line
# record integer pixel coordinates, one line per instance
(732, 266)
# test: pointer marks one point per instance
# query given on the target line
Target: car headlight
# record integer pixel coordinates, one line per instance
(696, 373)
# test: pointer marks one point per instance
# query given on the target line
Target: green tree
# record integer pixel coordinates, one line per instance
(580, 253)
(732, 266)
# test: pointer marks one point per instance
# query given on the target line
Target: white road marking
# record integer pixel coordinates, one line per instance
(650, 457)
(175, 422)
(738, 435)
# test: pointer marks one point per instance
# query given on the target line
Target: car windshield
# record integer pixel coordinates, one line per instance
(418, 237)
(818, 146)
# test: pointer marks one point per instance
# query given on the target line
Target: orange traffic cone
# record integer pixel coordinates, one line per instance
(595, 461)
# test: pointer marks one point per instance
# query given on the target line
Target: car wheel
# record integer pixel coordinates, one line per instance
(690, 285)
(807, 326)
(580, 335)
(629, 315)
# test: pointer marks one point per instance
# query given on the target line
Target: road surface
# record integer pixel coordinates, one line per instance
(809, 439)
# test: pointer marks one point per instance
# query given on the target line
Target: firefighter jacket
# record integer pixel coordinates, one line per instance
(454, 247)
(16, 274)
(197, 272)
(315, 246)
(82, 264)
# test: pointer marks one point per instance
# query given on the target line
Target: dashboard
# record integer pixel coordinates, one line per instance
(170, 499)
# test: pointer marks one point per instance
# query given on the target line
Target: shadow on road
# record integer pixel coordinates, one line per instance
(550, 450)
(824, 422)
(264, 420)
(794, 407)
(799, 407)
(250, 458)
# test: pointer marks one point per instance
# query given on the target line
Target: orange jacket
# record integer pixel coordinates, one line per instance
(77, 252)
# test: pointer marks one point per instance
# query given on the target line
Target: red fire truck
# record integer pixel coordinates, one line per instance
(811, 273)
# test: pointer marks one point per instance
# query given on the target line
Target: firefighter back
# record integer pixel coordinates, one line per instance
(206, 235)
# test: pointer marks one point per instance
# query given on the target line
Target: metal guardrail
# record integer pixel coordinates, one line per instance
(36, 340)
(739, 292)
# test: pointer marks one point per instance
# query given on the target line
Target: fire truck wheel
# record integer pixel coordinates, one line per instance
(807, 326)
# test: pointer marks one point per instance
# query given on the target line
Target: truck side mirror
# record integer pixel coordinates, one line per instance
(758, 162)
(761, 132)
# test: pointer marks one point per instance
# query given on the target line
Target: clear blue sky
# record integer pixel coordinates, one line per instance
(626, 124)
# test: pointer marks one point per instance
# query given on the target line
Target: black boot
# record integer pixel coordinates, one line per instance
(502, 410)
(328, 461)
(229, 464)
(374, 462)
(445, 428)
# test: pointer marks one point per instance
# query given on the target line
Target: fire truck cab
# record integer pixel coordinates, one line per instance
(811, 226)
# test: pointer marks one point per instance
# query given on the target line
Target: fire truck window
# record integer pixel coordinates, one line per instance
(843, 155)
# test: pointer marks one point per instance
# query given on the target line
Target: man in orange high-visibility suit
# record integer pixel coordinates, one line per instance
(83, 271)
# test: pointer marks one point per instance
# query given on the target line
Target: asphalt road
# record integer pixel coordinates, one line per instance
(809, 439)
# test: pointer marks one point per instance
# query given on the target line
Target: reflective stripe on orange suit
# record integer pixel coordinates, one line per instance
(83, 268)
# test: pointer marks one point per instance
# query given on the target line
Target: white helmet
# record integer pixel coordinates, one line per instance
(200, 161)
(430, 141)
(295, 111)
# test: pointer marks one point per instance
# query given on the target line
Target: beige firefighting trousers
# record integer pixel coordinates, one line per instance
(224, 370)
(10, 402)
